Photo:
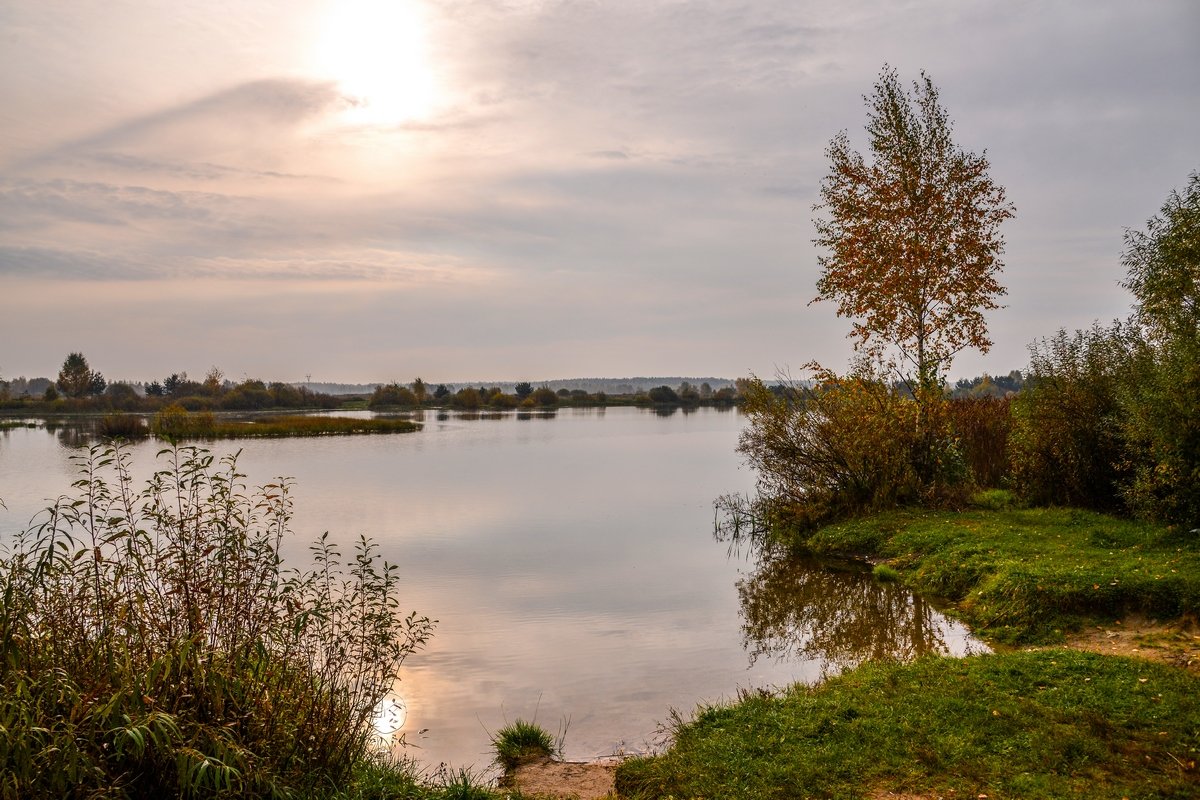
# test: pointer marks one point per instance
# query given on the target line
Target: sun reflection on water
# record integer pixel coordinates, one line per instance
(388, 721)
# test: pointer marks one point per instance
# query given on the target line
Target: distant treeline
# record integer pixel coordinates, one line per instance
(80, 389)
(590, 385)
(524, 395)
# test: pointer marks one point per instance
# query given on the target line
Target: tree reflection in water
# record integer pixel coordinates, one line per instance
(837, 614)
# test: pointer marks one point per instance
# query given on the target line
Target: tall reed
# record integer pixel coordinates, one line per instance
(152, 642)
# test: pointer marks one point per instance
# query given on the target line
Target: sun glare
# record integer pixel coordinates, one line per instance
(389, 718)
(377, 52)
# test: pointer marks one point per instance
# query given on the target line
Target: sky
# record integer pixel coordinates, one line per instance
(372, 190)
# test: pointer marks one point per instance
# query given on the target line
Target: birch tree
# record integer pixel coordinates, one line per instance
(912, 235)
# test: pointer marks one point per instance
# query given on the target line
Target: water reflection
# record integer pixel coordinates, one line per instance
(840, 616)
(73, 433)
(670, 411)
(832, 613)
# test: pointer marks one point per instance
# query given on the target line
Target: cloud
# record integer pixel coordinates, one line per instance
(401, 270)
(197, 171)
(637, 176)
(103, 203)
(243, 125)
(612, 155)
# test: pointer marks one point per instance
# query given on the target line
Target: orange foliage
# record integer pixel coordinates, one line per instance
(913, 236)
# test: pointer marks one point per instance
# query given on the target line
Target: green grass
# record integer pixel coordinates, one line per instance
(1048, 724)
(390, 778)
(885, 574)
(994, 499)
(1028, 575)
(522, 741)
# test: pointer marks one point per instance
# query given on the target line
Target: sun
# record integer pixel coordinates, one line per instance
(377, 51)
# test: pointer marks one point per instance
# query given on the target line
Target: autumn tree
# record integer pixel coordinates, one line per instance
(76, 378)
(213, 381)
(912, 235)
(419, 390)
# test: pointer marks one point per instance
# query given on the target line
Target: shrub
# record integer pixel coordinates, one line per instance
(392, 395)
(725, 396)
(126, 426)
(248, 396)
(544, 396)
(503, 401)
(663, 394)
(1161, 397)
(286, 395)
(196, 403)
(845, 447)
(467, 399)
(981, 426)
(1066, 445)
(153, 644)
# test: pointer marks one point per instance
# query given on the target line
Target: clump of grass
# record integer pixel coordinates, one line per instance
(386, 777)
(153, 645)
(462, 784)
(1035, 725)
(1028, 575)
(125, 426)
(885, 574)
(521, 742)
(993, 499)
(378, 777)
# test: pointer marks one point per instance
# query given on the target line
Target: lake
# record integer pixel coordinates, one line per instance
(570, 561)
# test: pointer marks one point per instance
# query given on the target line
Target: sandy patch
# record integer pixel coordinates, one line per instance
(563, 779)
(1176, 643)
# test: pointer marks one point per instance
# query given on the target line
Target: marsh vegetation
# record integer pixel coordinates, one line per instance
(154, 643)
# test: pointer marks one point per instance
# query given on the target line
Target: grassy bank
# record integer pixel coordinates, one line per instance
(1047, 724)
(1028, 575)
(1038, 724)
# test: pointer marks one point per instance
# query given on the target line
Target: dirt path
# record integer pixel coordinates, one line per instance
(1176, 643)
(561, 779)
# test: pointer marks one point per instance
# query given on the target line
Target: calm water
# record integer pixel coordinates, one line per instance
(570, 561)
